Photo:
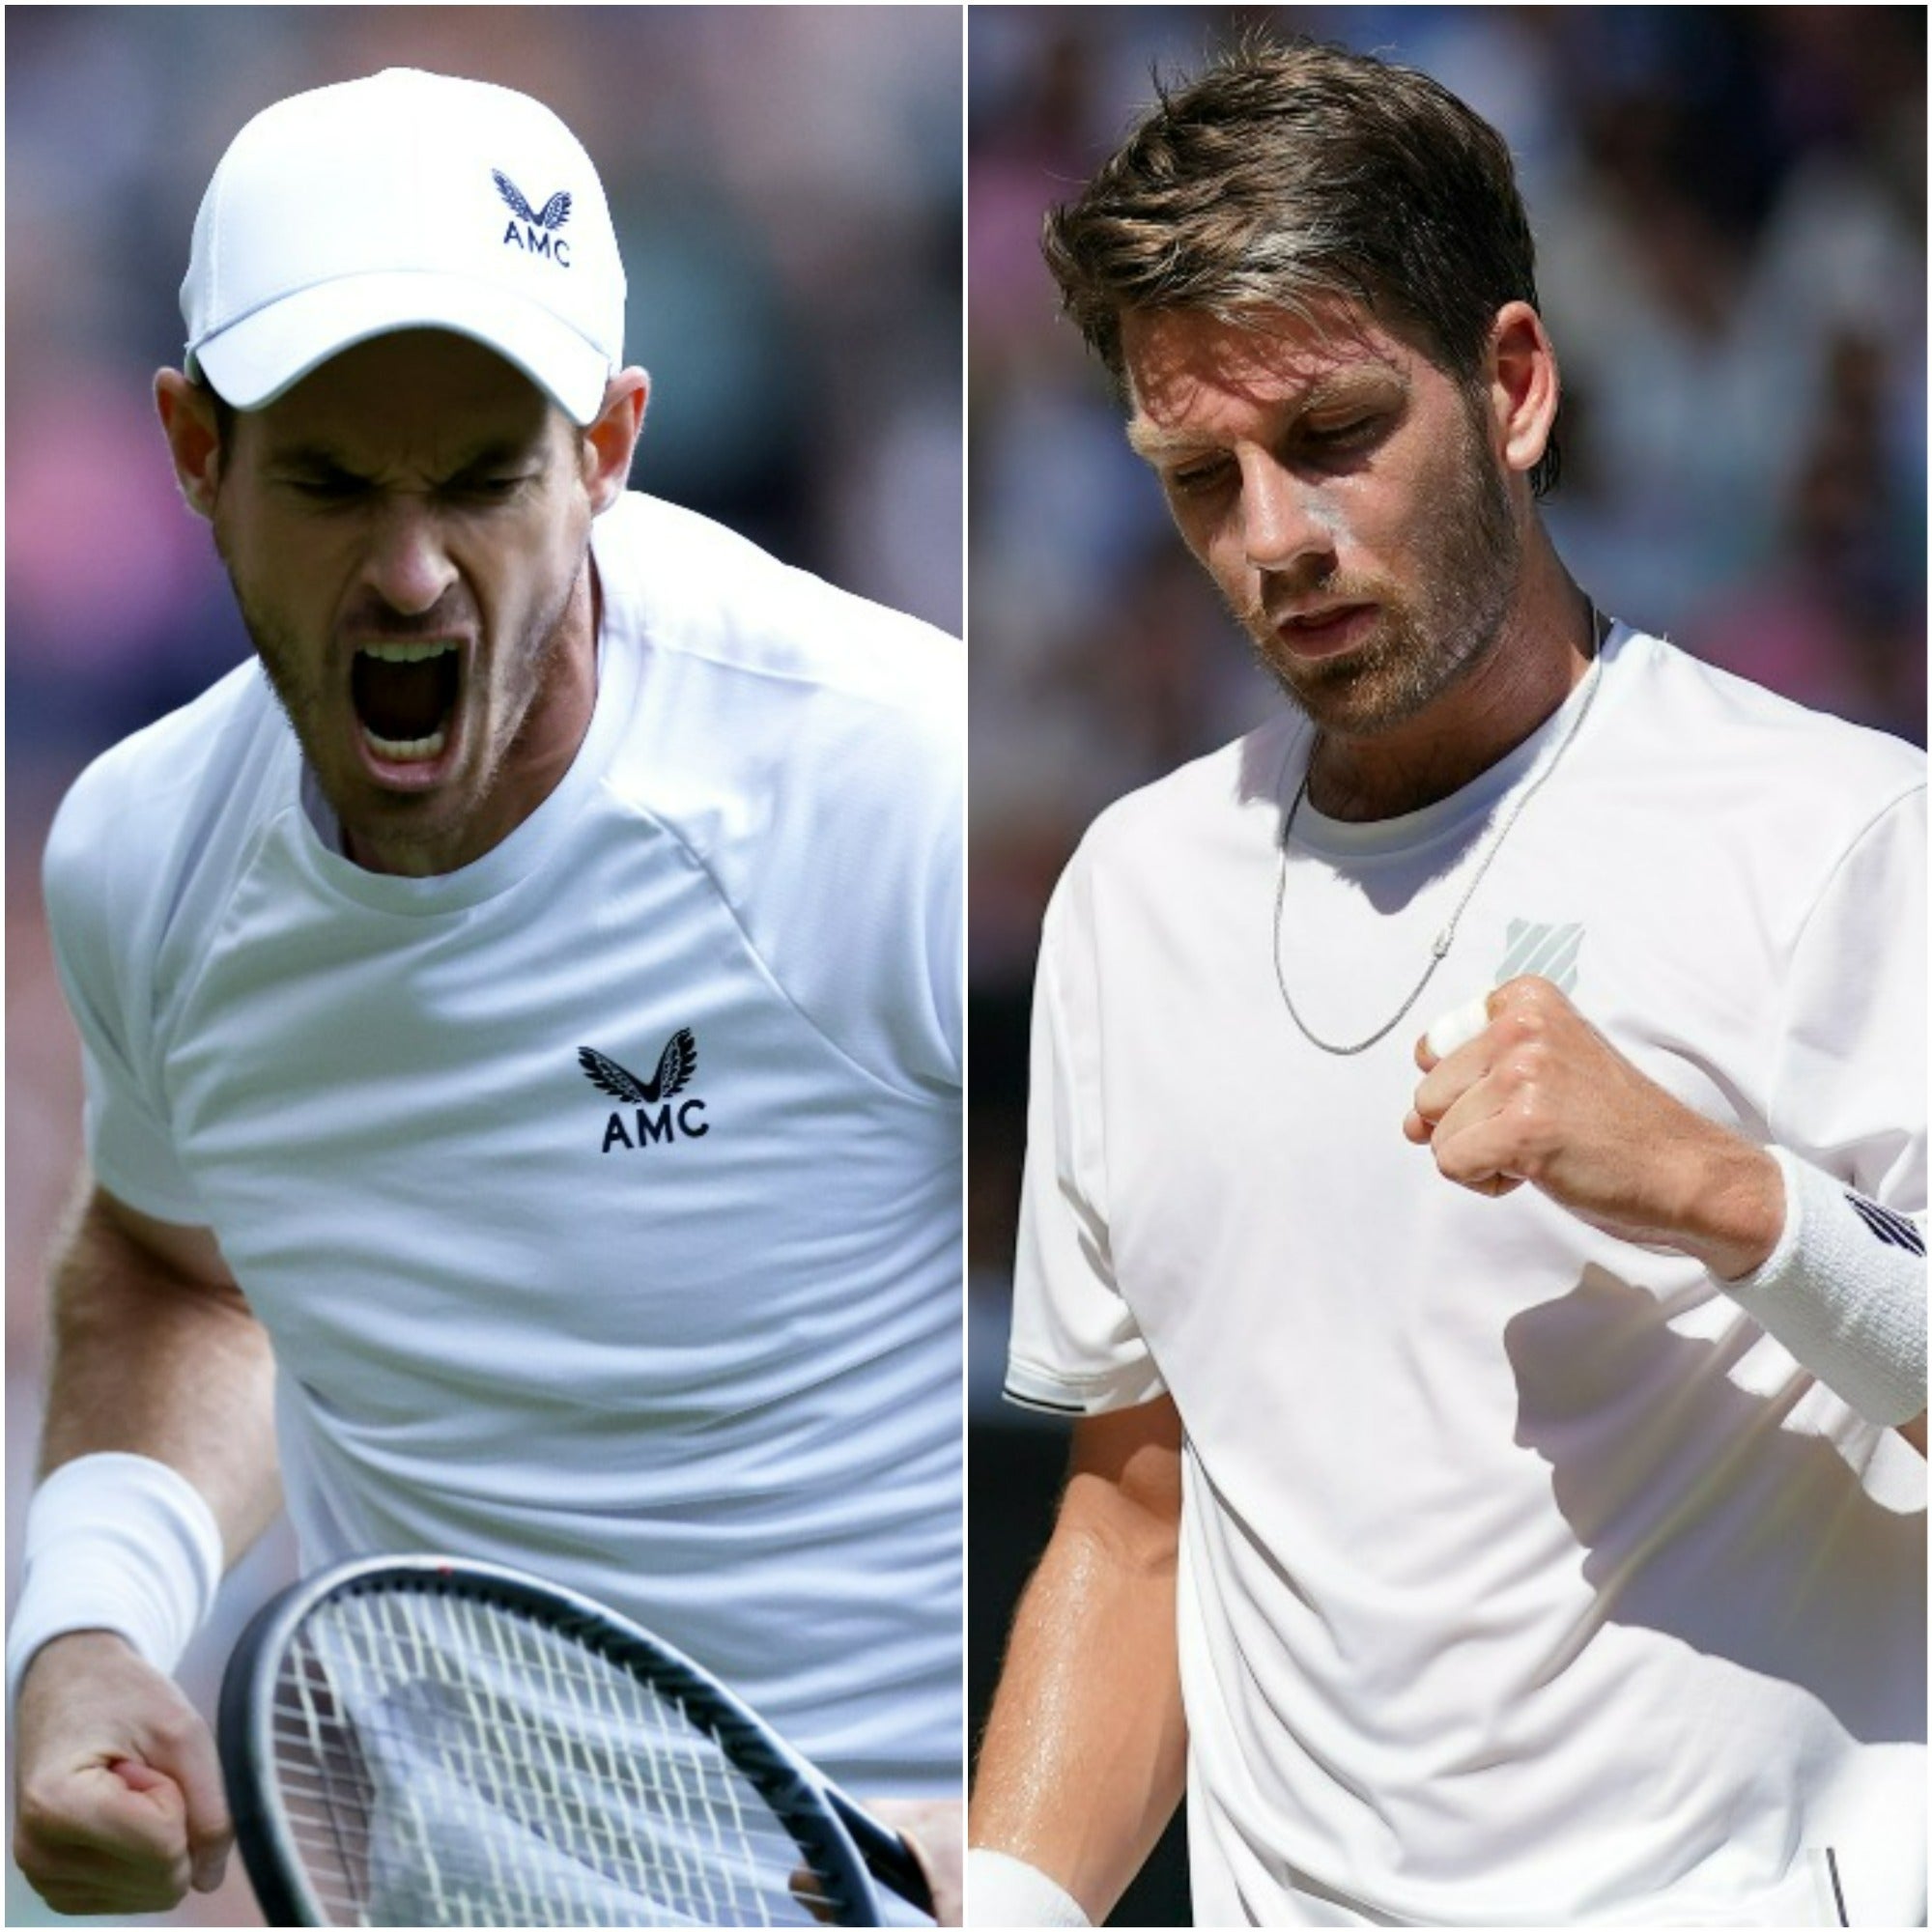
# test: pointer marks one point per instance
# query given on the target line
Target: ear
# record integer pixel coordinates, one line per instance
(1525, 385)
(610, 443)
(188, 421)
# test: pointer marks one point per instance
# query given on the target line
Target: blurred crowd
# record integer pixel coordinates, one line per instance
(786, 186)
(1730, 207)
(1729, 211)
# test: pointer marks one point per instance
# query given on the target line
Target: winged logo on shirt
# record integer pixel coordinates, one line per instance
(676, 1064)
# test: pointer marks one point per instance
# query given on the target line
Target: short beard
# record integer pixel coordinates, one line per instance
(1424, 645)
(299, 693)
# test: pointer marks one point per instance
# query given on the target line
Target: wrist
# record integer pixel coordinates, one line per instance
(1002, 1890)
(1845, 1293)
(120, 1547)
(87, 1654)
(1733, 1211)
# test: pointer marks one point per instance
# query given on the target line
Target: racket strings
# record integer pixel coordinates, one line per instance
(444, 1761)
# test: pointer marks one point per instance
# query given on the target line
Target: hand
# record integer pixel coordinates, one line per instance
(118, 1787)
(1541, 1096)
(936, 1829)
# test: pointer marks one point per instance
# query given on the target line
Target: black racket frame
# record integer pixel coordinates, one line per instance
(838, 1838)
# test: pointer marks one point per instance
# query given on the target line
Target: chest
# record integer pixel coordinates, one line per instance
(1260, 1183)
(585, 1113)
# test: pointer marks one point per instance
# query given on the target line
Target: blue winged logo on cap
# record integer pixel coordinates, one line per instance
(555, 211)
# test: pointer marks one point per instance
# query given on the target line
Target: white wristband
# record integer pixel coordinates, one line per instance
(1003, 1890)
(118, 1543)
(1844, 1289)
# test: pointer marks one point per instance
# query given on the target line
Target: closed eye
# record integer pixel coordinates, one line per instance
(487, 489)
(1195, 479)
(1361, 430)
(327, 486)
(1334, 443)
(343, 486)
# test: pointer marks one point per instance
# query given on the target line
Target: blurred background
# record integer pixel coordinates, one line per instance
(786, 186)
(1729, 211)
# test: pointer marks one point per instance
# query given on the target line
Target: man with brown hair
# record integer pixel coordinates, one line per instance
(538, 780)
(1475, 1552)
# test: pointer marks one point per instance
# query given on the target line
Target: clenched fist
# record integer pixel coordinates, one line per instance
(936, 1831)
(119, 1786)
(1540, 1095)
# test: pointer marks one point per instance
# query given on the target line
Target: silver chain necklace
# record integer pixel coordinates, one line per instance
(1438, 950)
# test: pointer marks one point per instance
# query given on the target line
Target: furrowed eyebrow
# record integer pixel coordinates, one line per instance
(310, 458)
(316, 459)
(510, 453)
(1365, 388)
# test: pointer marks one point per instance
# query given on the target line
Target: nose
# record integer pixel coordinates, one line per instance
(407, 563)
(1282, 525)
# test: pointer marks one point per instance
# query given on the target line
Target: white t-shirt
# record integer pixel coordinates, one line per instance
(697, 1356)
(1523, 1580)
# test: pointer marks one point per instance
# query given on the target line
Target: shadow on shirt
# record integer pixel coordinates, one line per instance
(1706, 1512)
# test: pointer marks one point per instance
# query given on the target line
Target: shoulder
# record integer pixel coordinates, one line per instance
(1213, 808)
(1743, 814)
(771, 702)
(1783, 767)
(807, 749)
(766, 631)
(166, 800)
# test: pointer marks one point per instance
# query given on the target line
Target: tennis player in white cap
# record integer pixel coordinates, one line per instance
(521, 1017)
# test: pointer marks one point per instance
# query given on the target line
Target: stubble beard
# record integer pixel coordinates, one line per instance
(296, 682)
(1423, 645)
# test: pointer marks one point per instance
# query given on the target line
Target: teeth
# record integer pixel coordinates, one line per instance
(400, 653)
(406, 750)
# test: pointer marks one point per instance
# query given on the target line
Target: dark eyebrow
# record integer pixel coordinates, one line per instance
(312, 457)
(318, 459)
(505, 454)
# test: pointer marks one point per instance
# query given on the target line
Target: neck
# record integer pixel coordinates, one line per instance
(1542, 654)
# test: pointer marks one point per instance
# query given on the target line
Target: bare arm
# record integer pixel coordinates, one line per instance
(1538, 1096)
(1085, 1753)
(155, 1353)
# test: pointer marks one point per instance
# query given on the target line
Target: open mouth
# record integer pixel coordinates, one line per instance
(405, 694)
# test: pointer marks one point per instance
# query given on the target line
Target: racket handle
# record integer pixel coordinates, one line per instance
(888, 1857)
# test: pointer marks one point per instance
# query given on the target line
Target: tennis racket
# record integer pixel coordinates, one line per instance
(423, 1741)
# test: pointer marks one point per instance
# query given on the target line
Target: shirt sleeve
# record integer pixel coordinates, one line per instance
(1847, 1091)
(1076, 1347)
(842, 851)
(102, 953)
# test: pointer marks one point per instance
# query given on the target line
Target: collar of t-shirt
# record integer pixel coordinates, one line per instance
(1449, 819)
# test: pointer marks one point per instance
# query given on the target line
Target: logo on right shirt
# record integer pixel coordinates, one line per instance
(1549, 951)
(653, 1119)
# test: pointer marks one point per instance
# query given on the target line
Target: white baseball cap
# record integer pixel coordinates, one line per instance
(407, 200)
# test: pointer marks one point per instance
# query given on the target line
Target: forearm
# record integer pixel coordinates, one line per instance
(157, 1464)
(1539, 1096)
(1842, 1289)
(1085, 1753)
(154, 1360)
